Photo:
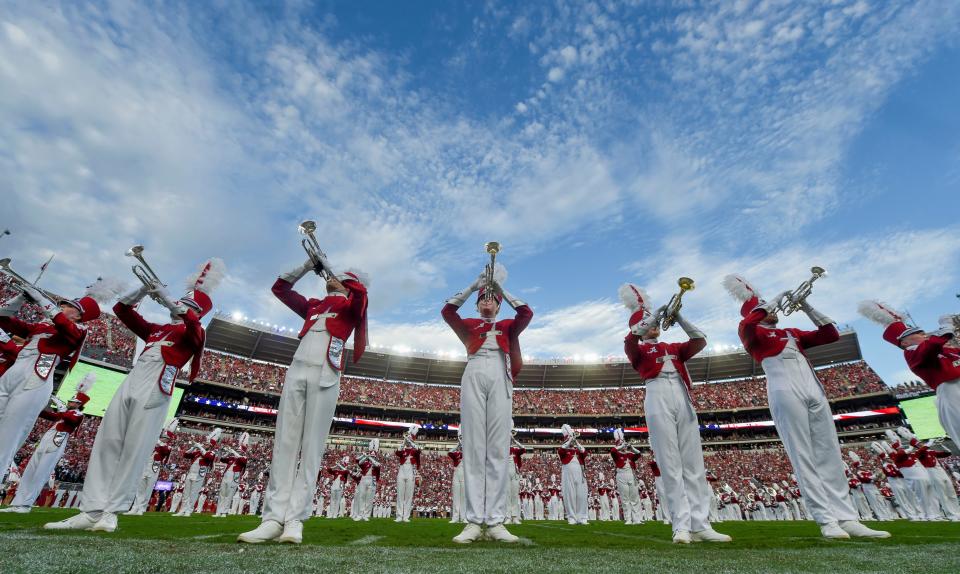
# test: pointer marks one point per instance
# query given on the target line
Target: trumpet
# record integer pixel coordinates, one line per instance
(491, 247)
(312, 247)
(673, 307)
(513, 439)
(20, 281)
(633, 448)
(795, 300)
(408, 441)
(144, 272)
(572, 442)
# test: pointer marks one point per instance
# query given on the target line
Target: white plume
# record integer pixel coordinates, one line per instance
(105, 289)
(879, 312)
(244, 439)
(172, 425)
(891, 436)
(946, 321)
(208, 277)
(414, 430)
(214, 434)
(500, 274)
(374, 444)
(740, 288)
(566, 429)
(618, 435)
(86, 383)
(634, 298)
(853, 456)
(363, 276)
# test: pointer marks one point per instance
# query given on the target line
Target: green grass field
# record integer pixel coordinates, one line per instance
(163, 543)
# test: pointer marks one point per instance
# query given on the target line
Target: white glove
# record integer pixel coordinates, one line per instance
(689, 328)
(297, 273)
(135, 296)
(509, 298)
(771, 306)
(58, 403)
(818, 318)
(460, 298)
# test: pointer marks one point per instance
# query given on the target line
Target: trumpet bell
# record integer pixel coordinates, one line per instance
(819, 271)
(685, 283)
(5, 263)
(307, 227)
(492, 247)
(135, 251)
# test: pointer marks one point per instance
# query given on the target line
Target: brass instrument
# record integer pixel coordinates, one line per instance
(145, 273)
(19, 281)
(312, 247)
(673, 307)
(513, 439)
(794, 301)
(408, 441)
(491, 247)
(632, 448)
(572, 442)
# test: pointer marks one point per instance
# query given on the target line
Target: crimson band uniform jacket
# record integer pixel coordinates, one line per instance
(405, 454)
(622, 459)
(933, 362)
(472, 333)
(647, 358)
(763, 342)
(8, 355)
(456, 456)
(179, 342)
(340, 473)
(891, 470)
(67, 421)
(60, 338)
(367, 467)
(654, 468)
(516, 453)
(567, 454)
(341, 314)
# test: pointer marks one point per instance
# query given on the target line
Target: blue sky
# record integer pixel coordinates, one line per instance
(599, 142)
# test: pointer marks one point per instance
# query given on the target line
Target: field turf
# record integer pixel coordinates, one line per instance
(163, 543)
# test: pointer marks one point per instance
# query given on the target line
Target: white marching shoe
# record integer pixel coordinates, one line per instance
(681, 537)
(107, 523)
(858, 530)
(16, 509)
(471, 533)
(833, 531)
(81, 521)
(268, 530)
(709, 535)
(500, 533)
(292, 532)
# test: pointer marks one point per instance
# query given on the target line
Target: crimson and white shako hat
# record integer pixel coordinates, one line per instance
(374, 445)
(214, 436)
(500, 276)
(893, 321)
(743, 291)
(202, 283)
(244, 441)
(636, 300)
(414, 429)
(85, 384)
(171, 428)
(618, 436)
(567, 430)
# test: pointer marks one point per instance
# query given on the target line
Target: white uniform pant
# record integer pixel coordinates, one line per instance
(363, 498)
(41, 464)
(457, 508)
(486, 405)
(805, 424)
(228, 487)
(254, 502)
(307, 404)
(574, 491)
(875, 501)
(948, 408)
(859, 500)
(319, 506)
(333, 511)
(126, 437)
(513, 491)
(175, 501)
(918, 479)
(236, 505)
(23, 394)
(603, 513)
(675, 440)
(903, 495)
(538, 508)
(145, 486)
(646, 509)
(943, 491)
(553, 508)
(405, 487)
(191, 492)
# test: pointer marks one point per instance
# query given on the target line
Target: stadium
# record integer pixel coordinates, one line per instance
(499, 286)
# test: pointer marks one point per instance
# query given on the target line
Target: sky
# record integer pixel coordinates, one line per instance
(598, 142)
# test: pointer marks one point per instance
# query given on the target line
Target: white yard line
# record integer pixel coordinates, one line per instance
(366, 540)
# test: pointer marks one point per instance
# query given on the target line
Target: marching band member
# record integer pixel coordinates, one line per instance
(309, 396)
(408, 461)
(625, 460)
(257, 495)
(538, 499)
(202, 459)
(25, 387)
(799, 405)
(369, 474)
(236, 466)
(137, 411)
(553, 505)
(573, 457)
(486, 400)
(941, 488)
(514, 464)
(662, 513)
(457, 506)
(603, 492)
(870, 491)
(236, 505)
(907, 461)
(674, 430)
(161, 452)
(906, 506)
(52, 445)
(929, 356)
(340, 473)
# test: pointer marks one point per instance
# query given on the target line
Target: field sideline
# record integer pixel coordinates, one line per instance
(163, 543)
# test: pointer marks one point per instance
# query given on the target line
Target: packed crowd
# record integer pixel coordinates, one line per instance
(911, 389)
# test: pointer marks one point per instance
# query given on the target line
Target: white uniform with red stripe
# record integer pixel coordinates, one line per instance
(408, 460)
(45, 457)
